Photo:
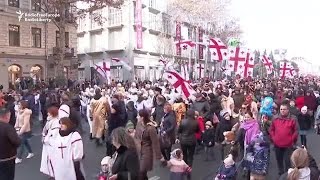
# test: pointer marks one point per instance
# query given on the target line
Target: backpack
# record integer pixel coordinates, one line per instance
(74, 115)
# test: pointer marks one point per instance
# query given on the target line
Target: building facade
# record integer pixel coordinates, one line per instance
(116, 38)
(27, 48)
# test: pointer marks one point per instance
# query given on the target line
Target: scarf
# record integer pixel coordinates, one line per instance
(252, 129)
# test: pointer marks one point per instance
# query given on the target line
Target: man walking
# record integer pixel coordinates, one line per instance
(284, 134)
(9, 142)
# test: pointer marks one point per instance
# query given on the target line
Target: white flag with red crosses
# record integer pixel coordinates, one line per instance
(267, 63)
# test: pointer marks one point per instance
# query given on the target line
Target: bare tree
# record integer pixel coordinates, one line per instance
(211, 15)
(69, 11)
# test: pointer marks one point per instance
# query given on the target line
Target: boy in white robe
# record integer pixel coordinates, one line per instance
(66, 153)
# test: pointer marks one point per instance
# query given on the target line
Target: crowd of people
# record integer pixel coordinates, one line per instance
(143, 123)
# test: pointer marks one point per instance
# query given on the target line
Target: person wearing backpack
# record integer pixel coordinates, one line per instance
(67, 109)
(284, 135)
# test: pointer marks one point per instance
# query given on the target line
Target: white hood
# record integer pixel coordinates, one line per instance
(304, 173)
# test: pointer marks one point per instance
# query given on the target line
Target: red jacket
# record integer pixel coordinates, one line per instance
(201, 127)
(300, 102)
(284, 131)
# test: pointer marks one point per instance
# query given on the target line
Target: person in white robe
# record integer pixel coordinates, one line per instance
(66, 152)
(51, 128)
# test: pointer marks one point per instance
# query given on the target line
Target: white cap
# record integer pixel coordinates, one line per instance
(229, 160)
(105, 160)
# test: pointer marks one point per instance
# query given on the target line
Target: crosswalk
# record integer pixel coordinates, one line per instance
(154, 178)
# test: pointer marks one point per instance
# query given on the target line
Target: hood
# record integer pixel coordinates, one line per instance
(304, 173)
(97, 96)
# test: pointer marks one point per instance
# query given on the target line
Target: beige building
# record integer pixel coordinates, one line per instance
(27, 46)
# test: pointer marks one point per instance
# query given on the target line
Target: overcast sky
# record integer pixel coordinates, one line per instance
(290, 24)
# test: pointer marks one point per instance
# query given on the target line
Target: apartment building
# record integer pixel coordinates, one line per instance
(28, 45)
(116, 38)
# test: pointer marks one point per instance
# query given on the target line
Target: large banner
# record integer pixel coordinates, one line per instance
(138, 23)
(201, 47)
(178, 38)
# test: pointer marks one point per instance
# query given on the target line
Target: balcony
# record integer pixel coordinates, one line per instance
(69, 18)
(69, 52)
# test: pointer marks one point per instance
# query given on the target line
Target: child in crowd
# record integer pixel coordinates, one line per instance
(228, 170)
(178, 167)
(305, 123)
(105, 168)
(200, 120)
(208, 139)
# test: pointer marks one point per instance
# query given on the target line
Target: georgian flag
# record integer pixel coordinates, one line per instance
(185, 72)
(124, 64)
(166, 63)
(218, 49)
(185, 44)
(246, 69)
(237, 59)
(267, 63)
(103, 68)
(286, 70)
(179, 83)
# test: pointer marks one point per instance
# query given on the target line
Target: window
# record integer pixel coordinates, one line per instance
(153, 23)
(13, 3)
(115, 39)
(14, 35)
(36, 5)
(115, 17)
(93, 41)
(166, 25)
(81, 24)
(58, 39)
(95, 18)
(36, 37)
(67, 39)
(153, 4)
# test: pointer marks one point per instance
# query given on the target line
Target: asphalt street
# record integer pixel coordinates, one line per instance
(202, 170)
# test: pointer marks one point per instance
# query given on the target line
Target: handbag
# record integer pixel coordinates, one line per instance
(165, 141)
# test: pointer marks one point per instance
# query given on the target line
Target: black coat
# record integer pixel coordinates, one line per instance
(126, 163)
(223, 126)
(304, 121)
(208, 136)
(169, 124)
(187, 131)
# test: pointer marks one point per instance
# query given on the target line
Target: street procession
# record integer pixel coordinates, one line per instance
(159, 90)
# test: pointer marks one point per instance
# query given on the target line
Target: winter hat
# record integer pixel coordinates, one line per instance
(158, 89)
(223, 113)
(175, 153)
(105, 160)
(304, 109)
(229, 161)
(129, 125)
(209, 123)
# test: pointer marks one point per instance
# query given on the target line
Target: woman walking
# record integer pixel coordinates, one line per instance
(186, 133)
(150, 146)
(23, 128)
(126, 161)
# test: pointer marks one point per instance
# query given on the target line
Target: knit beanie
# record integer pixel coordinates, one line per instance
(129, 125)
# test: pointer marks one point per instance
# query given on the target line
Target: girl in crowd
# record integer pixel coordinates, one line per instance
(51, 127)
